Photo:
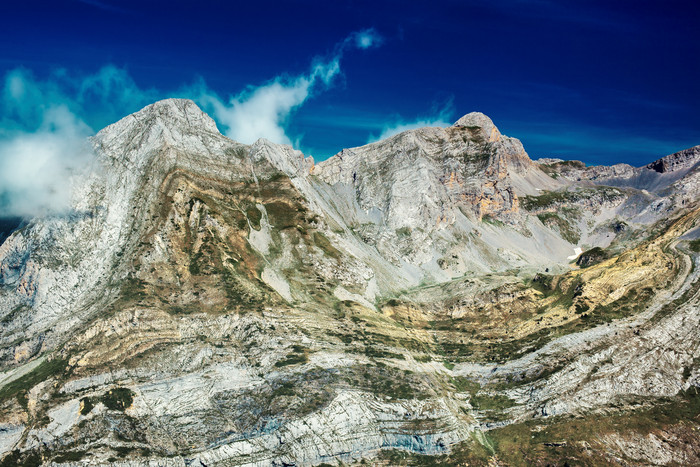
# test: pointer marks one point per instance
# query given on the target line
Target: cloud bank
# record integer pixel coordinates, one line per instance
(35, 168)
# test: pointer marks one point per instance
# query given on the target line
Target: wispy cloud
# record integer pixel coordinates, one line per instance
(441, 117)
(263, 111)
(44, 123)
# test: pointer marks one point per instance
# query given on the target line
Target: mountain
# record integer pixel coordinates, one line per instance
(435, 297)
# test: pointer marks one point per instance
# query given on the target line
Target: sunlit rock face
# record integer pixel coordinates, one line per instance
(206, 302)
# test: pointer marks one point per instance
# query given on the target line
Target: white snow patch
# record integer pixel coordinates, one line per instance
(372, 289)
(261, 239)
(577, 252)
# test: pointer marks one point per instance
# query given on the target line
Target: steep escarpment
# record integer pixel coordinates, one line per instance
(469, 167)
(413, 300)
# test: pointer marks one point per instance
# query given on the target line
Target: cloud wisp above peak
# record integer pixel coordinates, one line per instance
(365, 39)
(263, 111)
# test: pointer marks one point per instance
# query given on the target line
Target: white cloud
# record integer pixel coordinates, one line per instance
(43, 129)
(35, 168)
(42, 138)
(442, 118)
(264, 111)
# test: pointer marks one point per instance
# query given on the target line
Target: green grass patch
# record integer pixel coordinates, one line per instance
(21, 386)
(591, 257)
(465, 385)
(489, 219)
(404, 232)
(254, 216)
(298, 356)
(283, 216)
(491, 402)
(284, 389)
(87, 404)
(550, 199)
(70, 456)
(25, 459)
(374, 352)
(567, 231)
(694, 245)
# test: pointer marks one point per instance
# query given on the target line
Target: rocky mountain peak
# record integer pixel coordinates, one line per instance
(684, 159)
(180, 113)
(215, 303)
(176, 123)
(475, 120)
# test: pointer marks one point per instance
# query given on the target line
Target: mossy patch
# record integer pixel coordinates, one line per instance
(591, 257)
(254, 216)
(694, 245)
(86, 405)
(20, 387)
(549, 199)
(567, 231)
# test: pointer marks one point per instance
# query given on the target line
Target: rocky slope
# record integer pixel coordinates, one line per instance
(414, 300)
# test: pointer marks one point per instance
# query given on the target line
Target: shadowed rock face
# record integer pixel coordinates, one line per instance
(7, 226)
(686, 159)
(213, 303)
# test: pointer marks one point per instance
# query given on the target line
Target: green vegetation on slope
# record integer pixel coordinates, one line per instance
(21, 386)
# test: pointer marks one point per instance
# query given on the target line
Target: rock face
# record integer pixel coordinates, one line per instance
(686, 159)
(422, 192)
(213, 303)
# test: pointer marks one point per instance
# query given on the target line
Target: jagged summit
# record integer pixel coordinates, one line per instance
(176, 126)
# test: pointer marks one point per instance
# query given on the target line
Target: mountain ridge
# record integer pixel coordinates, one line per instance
(227, 304)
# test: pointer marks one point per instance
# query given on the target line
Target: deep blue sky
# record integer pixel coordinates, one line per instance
(600, 81)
